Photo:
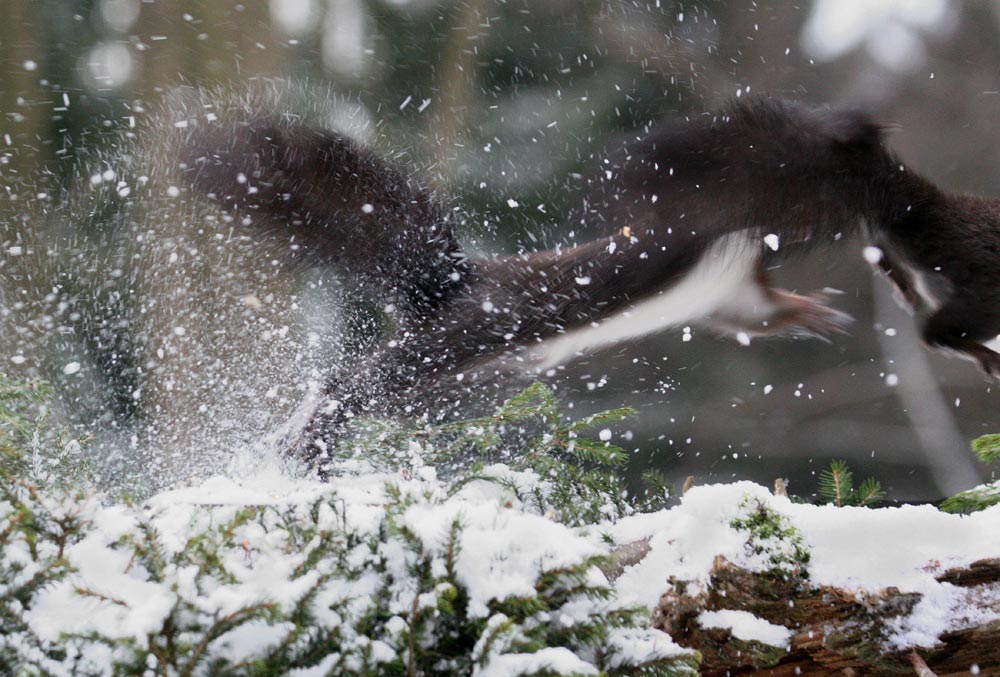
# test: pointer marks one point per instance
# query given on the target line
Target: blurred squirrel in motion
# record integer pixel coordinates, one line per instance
(693, 208)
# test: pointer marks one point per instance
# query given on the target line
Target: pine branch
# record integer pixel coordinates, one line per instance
(836, 483)
(987, 448)
(558, 473)
(869, 493)
(836, 486)
(973, 500)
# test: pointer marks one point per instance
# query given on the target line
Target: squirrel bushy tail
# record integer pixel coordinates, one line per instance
(330, 198)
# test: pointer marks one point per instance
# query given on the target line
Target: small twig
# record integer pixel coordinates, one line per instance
(161, 659)
(919, 665)
(688, 483)
(87, 592)
(216, 631)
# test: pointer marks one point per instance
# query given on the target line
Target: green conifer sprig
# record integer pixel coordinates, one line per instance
(581, 480)
(35, 531)
(836, 486)
(655, 494)
(19, 404)
(987, 448)
(772, 540)
(973, 500)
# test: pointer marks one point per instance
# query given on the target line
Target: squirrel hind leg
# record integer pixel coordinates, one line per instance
(761, 309)
(807, 315)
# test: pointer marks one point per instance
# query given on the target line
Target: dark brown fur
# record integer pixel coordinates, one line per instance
(761, 166)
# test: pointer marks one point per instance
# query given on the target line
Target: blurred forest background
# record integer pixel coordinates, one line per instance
(502, 104)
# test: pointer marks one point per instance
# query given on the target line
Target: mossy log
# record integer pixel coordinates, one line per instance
(834, 631)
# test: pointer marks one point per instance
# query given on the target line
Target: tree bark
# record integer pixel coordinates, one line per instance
(835, 631)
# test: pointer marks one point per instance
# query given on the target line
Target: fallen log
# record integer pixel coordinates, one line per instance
(830, 631)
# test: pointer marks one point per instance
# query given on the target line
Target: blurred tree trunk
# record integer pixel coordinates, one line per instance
(24, 121)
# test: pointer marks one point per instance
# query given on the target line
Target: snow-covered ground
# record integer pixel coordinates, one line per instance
(481, 537)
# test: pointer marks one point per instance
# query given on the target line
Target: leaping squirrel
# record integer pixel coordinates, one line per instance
(694, 209)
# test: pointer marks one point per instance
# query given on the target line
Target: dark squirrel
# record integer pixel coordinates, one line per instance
(693, 210)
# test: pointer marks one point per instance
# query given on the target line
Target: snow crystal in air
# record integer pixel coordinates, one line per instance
(872, 254)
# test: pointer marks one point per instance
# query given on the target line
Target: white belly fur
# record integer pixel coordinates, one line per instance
(724, 273)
